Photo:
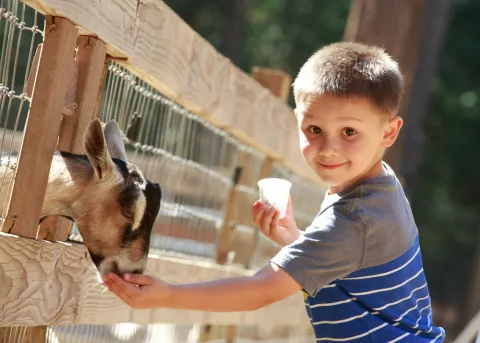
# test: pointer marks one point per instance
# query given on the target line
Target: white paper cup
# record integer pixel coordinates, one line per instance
(275, 192)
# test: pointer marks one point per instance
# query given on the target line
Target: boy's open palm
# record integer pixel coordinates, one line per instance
(139, 291)
(282, 231)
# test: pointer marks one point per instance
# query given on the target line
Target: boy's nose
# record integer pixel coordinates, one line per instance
(328, 148)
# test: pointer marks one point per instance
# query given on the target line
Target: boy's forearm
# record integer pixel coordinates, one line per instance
(242, 293)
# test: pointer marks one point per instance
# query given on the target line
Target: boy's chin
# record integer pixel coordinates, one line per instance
(330, 180)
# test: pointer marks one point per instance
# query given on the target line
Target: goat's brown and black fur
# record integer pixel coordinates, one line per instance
(112, 203)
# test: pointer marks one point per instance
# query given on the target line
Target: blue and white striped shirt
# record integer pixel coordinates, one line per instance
(360, 266)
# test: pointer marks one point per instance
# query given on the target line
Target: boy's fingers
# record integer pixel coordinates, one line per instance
(275, 221)
(124, 287)
(267, 221)
(114, 288)
(257, 216)
(139, 279)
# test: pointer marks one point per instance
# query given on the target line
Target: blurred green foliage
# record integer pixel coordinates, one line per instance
(446, 200)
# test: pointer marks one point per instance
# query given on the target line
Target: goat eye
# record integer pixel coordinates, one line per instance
(128, 213)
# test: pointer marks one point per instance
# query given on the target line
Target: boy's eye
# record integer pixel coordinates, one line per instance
(315, 130)
(348, 131)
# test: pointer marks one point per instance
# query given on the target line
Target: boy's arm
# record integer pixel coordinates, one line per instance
(244, 293)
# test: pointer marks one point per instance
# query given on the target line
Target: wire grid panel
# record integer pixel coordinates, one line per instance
(19, 37)
(192, 160)
(169, 333)
(122, 332)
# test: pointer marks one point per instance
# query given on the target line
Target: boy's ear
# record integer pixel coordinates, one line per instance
(392, 129)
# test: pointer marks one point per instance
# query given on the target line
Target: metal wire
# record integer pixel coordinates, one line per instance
(122, 332)
(19, 37)
(192, 160)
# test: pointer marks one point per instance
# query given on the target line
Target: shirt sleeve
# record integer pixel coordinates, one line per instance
(331, 248)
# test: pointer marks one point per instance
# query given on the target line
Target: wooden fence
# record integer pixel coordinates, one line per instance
(95, 53)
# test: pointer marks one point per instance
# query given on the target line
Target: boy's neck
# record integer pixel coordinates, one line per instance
(375, 170)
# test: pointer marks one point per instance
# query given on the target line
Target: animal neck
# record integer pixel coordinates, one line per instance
(67, 182)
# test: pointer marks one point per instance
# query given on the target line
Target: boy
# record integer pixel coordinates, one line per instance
(359, 263)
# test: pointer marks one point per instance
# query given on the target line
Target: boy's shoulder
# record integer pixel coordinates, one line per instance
(380, 206)
(373, 199)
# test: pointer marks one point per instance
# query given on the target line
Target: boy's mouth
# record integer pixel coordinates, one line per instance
(331, 166)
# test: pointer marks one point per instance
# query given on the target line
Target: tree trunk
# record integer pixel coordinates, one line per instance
(397, 27)
(234, 30)
(436, 20)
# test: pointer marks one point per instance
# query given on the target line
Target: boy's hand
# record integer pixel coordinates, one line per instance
(282, 231)
(139, 291)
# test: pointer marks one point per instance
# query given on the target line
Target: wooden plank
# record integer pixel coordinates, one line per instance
(90, 58)
(41, 131)
(276, 81)
(223, 246)
(36, 334)
(32, 271)
(470, 331)
(183, 66)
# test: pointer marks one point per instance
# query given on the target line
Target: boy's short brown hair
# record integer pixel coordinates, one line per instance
(352, 70)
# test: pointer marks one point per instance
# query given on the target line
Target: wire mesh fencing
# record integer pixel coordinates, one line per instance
(191, 159)
(194, 162)
(170, 333)
(20, 35)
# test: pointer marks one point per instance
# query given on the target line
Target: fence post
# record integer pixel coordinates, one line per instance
(277, 81)
(224, 240)
(41, 130)
(50, 81)
(91, 59)
(265, 172)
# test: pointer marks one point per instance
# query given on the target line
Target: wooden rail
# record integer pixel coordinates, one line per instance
(148, 38)
(470, 331)
(45, 283)
(40, 138)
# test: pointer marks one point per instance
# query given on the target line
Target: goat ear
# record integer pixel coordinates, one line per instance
(96, 149)
(115, 145)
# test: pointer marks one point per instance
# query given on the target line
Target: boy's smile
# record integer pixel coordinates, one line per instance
(343, 140)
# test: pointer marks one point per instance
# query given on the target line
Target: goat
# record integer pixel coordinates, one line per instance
(109, 199)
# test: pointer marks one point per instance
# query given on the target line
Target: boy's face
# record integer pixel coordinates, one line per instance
(343, 140)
